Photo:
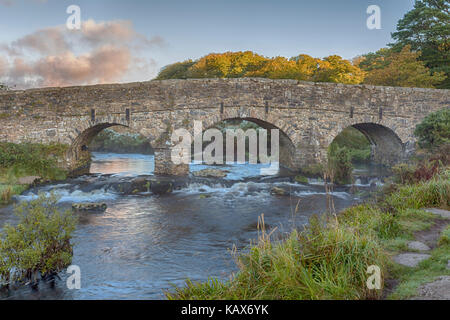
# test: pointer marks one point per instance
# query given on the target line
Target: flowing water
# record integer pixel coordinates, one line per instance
(144, 243)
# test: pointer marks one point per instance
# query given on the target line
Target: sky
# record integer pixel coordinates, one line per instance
(130, 40)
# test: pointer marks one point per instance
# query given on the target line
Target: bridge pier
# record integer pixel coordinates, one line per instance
(165, 166)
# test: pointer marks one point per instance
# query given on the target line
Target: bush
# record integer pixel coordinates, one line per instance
(434, 130)
(32, 159)
(357, 144)
(39, 244)
(340, 164)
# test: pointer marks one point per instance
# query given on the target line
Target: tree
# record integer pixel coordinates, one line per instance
(387, 67)
(336, 69)
(434, 130)
(426, 28)
(227, 65)
(179, 70)
(249, 64)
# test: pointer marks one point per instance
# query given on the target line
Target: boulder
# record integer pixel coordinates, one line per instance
(140, 184)
(161, 187)
(90, 206)
(29, 180)
(278, 191)
(301, 179)
(210, 173)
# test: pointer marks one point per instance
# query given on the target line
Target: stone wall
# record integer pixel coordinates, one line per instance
(310, 115)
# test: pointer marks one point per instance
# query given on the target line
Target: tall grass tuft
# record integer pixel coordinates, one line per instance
(431, 193)
(324, 261)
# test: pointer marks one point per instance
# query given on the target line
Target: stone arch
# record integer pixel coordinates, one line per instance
(287, 147)
(78, 156)
(387, 146)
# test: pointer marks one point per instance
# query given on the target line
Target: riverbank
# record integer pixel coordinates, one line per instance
(329, 258)
(22, 165)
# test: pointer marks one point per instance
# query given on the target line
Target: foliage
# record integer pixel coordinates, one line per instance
(426, 28)
(109, 140)
(357, 144)
(336, 69)
(32, 159)
(434, 130)
(249, 64)
(389, 67)
(39, 243)
(19, 160)
(177, 70)
(340, 164)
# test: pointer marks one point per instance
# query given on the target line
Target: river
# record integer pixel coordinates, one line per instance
(144, 243)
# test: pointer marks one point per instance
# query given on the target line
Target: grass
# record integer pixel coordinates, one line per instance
(329, 258)
(20, 160)
(319, 263)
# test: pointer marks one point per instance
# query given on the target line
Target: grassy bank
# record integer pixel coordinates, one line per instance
(21, 160)
(329, 258)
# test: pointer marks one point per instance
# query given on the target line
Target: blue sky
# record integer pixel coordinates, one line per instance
(191, 29)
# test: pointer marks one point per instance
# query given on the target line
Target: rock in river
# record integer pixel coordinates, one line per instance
(213, 173)
(29, 180)
(278, 191)
(90, 206)
(161, 187)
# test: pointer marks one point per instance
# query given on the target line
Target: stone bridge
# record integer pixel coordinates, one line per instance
(309, 115)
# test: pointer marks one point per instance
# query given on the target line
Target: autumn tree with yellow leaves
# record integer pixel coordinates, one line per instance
(249, 64)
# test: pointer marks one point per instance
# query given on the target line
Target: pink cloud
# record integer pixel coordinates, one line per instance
(55, 56)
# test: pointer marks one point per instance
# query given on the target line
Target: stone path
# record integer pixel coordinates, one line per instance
(436, 290)
(439, 212)
(410, 259)
(440, 288)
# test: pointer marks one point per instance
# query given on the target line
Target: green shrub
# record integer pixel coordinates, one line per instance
(340, 164)
(434, 130)
(38, 244)
(32, 159)
(357, 144)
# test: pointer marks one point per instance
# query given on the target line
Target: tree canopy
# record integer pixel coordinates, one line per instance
(426, 28)
(387, 67)
(249, 64)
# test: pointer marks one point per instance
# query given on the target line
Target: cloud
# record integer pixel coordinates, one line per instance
(98, 53)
